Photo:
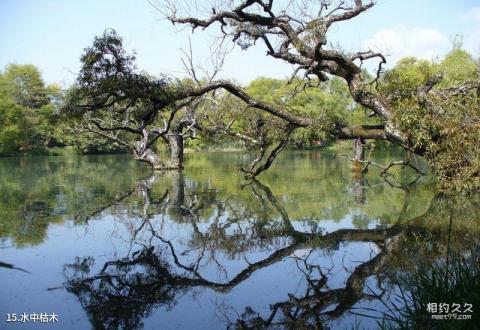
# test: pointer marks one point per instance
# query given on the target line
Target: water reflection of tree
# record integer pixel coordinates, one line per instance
(400, 253)
(124, 291)
(35, 193)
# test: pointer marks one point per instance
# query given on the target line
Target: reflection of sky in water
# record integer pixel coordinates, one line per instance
(207, 217)
(326, 226)
(105, 239)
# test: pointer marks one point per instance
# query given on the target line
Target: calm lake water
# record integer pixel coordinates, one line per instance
(104, 243)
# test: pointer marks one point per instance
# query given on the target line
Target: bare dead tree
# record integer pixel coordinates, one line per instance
(296, 32)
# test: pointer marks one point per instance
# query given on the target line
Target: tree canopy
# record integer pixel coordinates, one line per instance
(296, 32)
(443, 124)
(27, 109)
(131, 108)
(428, 107)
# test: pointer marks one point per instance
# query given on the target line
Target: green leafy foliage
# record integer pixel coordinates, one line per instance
(115, 100)
(439, 123)
(27, 110)
(328, 105)
(109, 77)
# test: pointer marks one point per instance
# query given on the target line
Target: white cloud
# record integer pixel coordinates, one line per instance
(426, 43)
(473, 15)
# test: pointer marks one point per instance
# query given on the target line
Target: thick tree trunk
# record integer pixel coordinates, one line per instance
(149, 156)
(178, 207)
(175, 144)
(177, 195)
(358, 154)
(358, 157)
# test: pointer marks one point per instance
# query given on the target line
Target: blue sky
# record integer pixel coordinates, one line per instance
(52, 34)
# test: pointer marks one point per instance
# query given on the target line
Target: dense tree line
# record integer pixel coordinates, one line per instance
(27, 109)
(114, 107)
(31, 117)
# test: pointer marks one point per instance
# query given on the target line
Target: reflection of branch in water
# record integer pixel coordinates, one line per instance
(146, 279)
(117, 276)
(117, 200)
(273, 200)
(360, 182)
(126, 290)
(10, 266)
(312, 309)
(386, 168)
(302, 311)
(141, 187)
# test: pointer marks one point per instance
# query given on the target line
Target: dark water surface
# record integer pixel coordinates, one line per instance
(104, 243)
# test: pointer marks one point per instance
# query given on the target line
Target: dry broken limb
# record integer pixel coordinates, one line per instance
(387, 167)
(208, 92)
(299, 38)
(209, 99)
(255, 170)
(296, 32)
(126, 107)
(290, 30)
(292, 121)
